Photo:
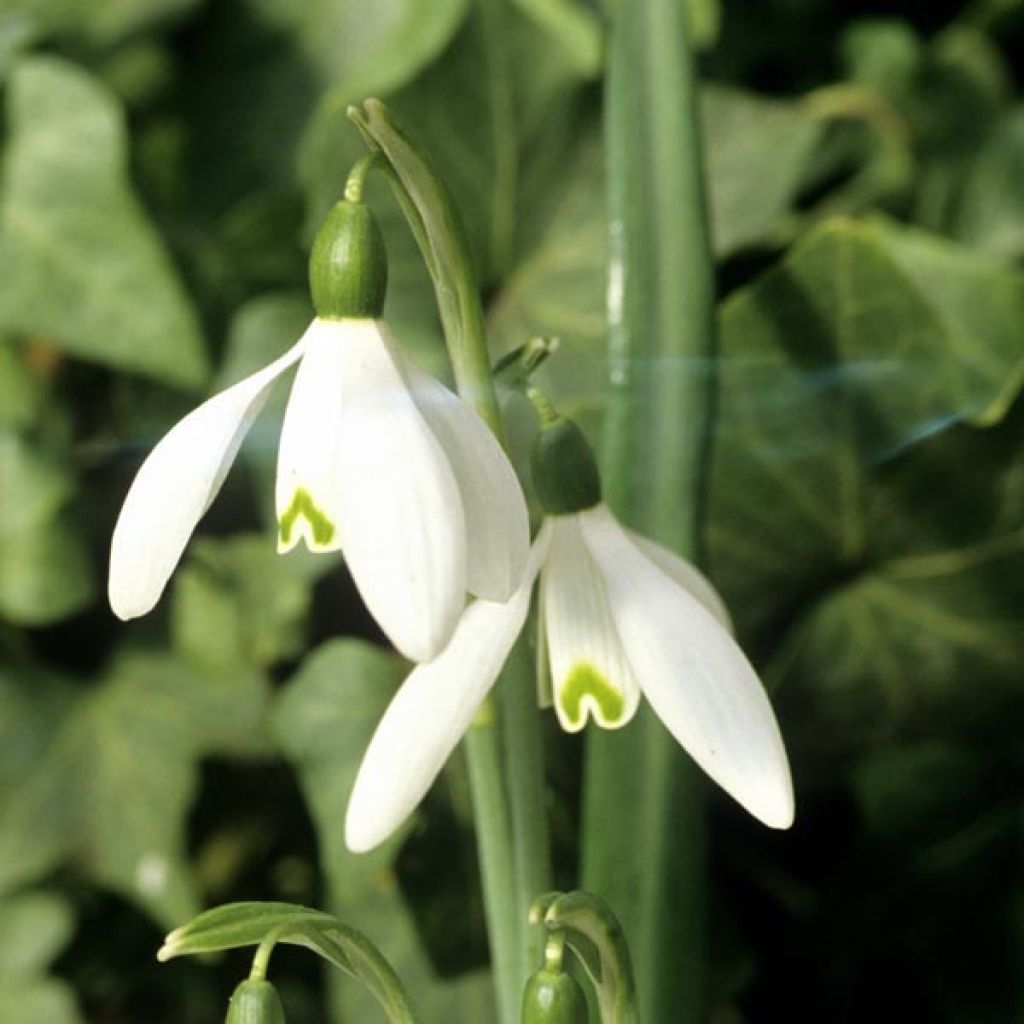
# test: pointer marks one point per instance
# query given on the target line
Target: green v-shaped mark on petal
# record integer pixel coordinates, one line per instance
(584, 682)
(303, 506)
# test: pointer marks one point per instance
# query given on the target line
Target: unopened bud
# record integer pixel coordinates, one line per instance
(255, 1002)
(553, 997)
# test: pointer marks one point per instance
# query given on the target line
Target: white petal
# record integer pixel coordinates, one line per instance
(686, 574)
(379, 475)
(175, 486)
(693, 673)
(497, 522)
(589, 670)
(431, 711)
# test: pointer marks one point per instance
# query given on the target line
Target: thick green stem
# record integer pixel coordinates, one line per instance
(643, 845)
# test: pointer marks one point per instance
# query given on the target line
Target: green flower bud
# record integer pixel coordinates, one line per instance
(255, 1002)
(553, 997)
(348, 267)
(565, 472)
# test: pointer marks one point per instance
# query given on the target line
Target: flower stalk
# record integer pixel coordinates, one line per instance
(503, 747)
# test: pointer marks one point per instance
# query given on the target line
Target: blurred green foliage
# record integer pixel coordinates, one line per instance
(164, 164)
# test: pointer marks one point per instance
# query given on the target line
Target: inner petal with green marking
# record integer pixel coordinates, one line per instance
(304, 518)
(587, 690)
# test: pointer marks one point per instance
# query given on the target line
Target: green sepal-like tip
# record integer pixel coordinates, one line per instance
(255, 1002)
(348, 267)
(553, 997)
(565, 474)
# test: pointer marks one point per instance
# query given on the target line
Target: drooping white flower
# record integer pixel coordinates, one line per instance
(622, 618)
(376, 459)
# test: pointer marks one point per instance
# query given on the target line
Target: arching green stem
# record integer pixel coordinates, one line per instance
(503, 747)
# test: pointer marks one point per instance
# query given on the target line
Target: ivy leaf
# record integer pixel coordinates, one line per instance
(45, 573)
(238, 602)
(99, 22)
(323, 722)
(990, 210)
(38, 1001)
(576, 27)
(112, 772)
(370, 48)
(21, 391)
(870, 538)
(34, 927)
(80, 264)
(500, 168)
(265, 67)
(758, 150)
(560, 288)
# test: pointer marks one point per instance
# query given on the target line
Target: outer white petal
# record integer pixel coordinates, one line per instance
(431, 711)
(686, 574)
(175, 486)
(694, 675)
(589, 669)
(497, 522)
(385, 483)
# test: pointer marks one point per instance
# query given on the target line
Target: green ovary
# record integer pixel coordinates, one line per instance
(303, 506)
(585, 681)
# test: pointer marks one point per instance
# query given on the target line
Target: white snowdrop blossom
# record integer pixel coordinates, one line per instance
(376, 459)
(621, 617)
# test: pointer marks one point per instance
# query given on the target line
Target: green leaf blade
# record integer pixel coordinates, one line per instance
(79, 262)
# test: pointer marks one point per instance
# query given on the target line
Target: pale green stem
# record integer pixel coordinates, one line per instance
(261, 958)
(261, 961)
(356, 181)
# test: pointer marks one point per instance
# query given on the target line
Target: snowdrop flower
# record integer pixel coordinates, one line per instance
(376, 459)
(621, 617)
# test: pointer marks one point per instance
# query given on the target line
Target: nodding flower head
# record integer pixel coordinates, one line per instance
(622, 618)
(377, 459)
